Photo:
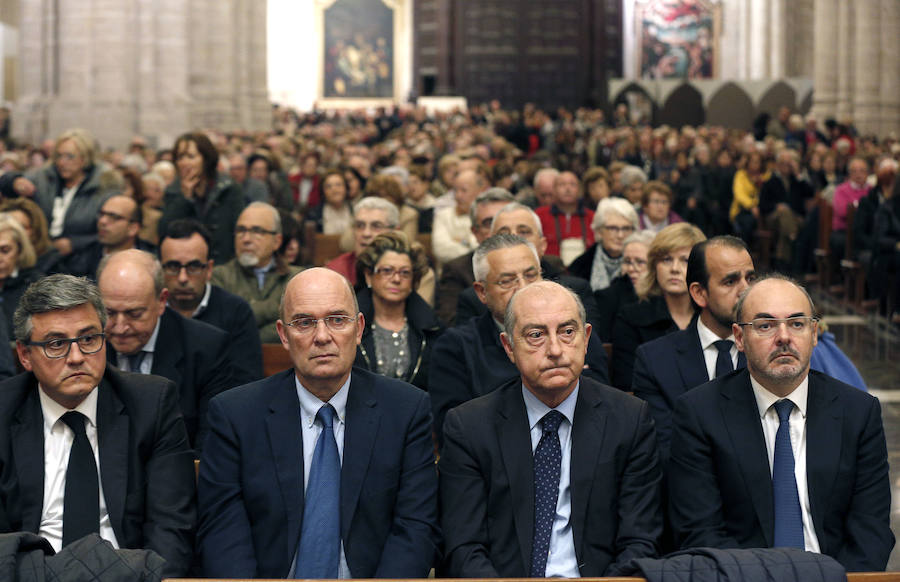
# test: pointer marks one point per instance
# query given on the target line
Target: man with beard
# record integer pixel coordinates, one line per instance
(777, 455)
(257, 273)
(718, 270)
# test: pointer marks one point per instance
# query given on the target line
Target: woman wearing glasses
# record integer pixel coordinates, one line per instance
(400, 327)
(614, 220)
(621, 290)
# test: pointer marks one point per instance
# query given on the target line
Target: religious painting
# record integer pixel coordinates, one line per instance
(359, 49)
(677, 39)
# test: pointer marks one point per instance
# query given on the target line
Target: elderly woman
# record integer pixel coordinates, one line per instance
(400, 327)
(664, 304)
(32, 219)
(17, 260)
(621, 290)
(202, 193)
(69, 191)
(614, 220)
(633, 180)
(656, 207)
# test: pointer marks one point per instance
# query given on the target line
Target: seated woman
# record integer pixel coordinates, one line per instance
(656, 207)
(621, 290)
(664, 304)
(744, 213)
(333, 215)
(596, 184)
(400, 327)
(17, 260)
(613, 222)
(31, 217)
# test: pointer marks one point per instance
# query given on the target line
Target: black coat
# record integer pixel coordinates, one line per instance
(232, 314)
(13, 289)
(609, 301)
(637, 323)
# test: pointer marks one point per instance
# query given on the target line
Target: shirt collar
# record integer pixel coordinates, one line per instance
(151, 343)
(268, 267)
(53, 410)
(310, 405)
(537, 409)
(707, 336)
(765, 399)
(204, 303)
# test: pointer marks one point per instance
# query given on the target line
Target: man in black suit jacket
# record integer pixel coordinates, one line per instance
(187, 268)
(718, 271)
(602, 507)
(258, 464)
(149, 338)
(468, 360)
(725, 445)
(146, 474)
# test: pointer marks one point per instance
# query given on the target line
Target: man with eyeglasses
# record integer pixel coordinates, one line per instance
(257, 273)
(324, 470)
(118, 224)
(85, 448)
(147, 337)
(468, 360)
(777, 455)
(187, 269)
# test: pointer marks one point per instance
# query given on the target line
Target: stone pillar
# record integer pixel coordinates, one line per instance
(778, 45)
(867, 59)
(889, 75)
(759, 39)
(844, 61)
(825, 59)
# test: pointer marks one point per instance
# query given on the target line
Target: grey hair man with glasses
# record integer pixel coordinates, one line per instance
(776, 455)
(323, 470)
(468, 360)
(85, 448)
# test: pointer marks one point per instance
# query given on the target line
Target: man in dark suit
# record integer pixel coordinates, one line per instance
(776, 455)
(468, 360)
(553, 474)
(68, 410)
(346, 488)
(187, 268)
(149, 338)
(718, 271)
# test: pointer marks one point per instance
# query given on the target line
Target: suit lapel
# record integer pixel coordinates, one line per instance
(286, 442)
(518, 459)
(360, 434)
(27, 434)
(587, 439)
(167, 362)
(823, 447)
(742, 422)
(691, 362)
(112, 438)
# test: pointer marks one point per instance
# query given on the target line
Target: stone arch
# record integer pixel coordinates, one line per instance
(730, 106)
(805, 106)
(626, 95)
(778, 95)
(683, 107)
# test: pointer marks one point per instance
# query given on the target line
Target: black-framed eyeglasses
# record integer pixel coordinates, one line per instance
(252, 230)
(766, 326)
(173, 268)
(306, 325)
(59, 347)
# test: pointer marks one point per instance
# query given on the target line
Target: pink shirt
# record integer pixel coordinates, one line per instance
(844, 195)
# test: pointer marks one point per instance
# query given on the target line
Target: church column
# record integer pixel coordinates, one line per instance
(844, 58)
(867, 67)
(778, 39)
(889, 75)
(825, 59)
(113, 58)
(759, 40)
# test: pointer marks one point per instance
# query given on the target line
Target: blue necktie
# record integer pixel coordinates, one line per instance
(788, 518)
(547, 462)
(724, 365)
(318, 553)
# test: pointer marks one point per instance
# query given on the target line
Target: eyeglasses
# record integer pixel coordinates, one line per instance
(173, 268)
(618, 229)
(306, 325)
(59, 347)
(637, 263)
(510, 281)
(253, 230)
(377, 226)
(388, 272)
(766, 326)
(522, 231)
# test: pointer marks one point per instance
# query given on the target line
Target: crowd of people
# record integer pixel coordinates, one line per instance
(522, 271)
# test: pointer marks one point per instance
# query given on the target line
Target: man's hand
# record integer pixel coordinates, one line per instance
(23, 187)
(63, 245)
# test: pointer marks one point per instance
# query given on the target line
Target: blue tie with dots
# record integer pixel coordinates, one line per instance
(318, 553)
(547, 462)
(788, 518)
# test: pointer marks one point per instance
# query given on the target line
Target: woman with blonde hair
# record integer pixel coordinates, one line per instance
(17, 260)
(32, 219)
(664, 304)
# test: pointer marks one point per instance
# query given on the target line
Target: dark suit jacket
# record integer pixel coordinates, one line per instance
(469, 361)
(487, 484)
(609, 301)
(145, 463)
(721, 485)
(232, 314)
(456, 276)
(194, 356)
(251, 480)
(666, 368)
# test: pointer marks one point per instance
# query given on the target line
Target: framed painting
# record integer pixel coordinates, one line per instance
(677, 39)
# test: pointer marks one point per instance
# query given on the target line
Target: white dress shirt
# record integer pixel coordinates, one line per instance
(562, 561)
(147, 362)
(60, 208)
(58, 439)
(708, 341)
(310, 431)
(765, 401)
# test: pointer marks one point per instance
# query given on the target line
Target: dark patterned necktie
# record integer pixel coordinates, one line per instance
(81, 500)
(547, 463)
(788, 517)
(724, 364)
